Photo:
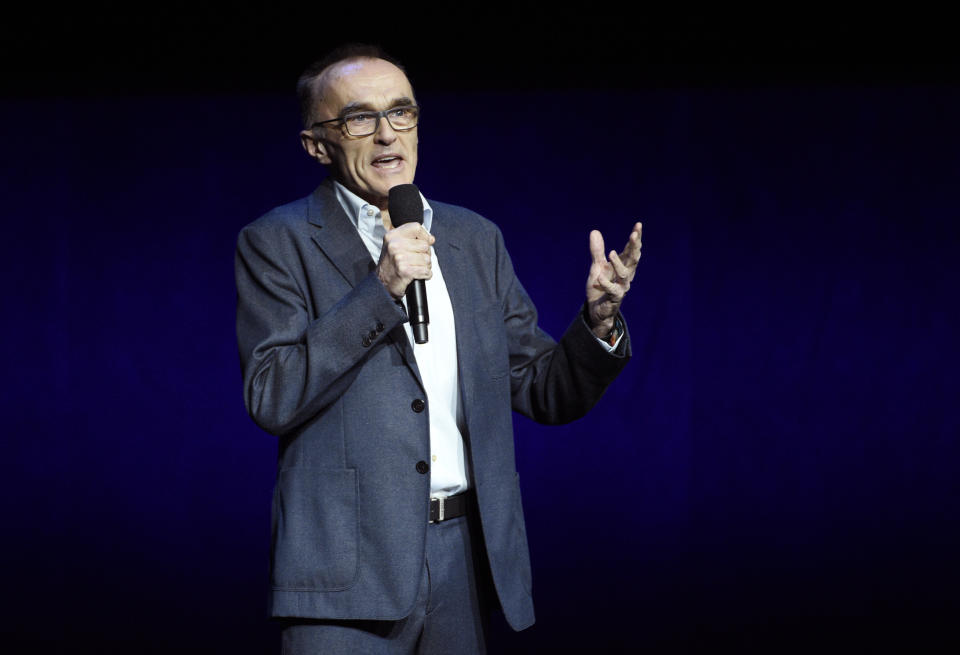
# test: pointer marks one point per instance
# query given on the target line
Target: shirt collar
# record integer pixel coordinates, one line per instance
(366, 217)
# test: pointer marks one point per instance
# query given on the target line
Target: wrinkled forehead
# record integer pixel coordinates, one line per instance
(366, 83)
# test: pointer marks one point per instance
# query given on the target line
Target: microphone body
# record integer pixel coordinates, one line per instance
(406, 207)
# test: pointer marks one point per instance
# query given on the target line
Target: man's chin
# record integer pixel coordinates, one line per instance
(385, 189)
(393, 183)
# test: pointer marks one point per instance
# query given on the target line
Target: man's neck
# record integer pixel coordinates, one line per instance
(383, 204)
(353, 203)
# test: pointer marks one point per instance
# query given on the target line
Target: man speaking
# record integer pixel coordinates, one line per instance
(397, 521)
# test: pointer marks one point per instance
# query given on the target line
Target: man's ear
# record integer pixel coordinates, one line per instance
(316, 148)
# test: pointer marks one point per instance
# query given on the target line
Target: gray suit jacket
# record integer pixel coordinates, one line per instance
(327, 367)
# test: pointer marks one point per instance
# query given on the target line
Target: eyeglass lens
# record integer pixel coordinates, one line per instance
(366, 122)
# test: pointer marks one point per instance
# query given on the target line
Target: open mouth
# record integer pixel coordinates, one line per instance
(387, 161)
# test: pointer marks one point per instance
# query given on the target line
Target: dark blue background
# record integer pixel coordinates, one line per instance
(776, 470)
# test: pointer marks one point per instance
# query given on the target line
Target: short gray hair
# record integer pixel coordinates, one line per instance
(306, 84)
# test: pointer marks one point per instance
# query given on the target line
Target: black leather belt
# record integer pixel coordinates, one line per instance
(442, 509)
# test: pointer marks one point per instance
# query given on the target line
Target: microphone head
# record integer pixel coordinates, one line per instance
(405, 204)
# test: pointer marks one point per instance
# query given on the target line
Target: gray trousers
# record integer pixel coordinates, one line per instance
(449, 617)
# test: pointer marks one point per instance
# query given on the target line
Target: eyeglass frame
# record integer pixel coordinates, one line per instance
(379, 114)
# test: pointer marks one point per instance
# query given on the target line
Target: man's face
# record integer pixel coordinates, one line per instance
(367, 165)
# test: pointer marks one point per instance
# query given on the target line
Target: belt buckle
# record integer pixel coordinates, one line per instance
(440, 503)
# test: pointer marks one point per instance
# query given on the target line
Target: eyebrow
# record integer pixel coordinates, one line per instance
(352, 107)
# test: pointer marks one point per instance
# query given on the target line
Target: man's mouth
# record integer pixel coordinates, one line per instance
(387, 161)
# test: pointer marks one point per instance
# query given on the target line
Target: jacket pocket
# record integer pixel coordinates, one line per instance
(315, 525)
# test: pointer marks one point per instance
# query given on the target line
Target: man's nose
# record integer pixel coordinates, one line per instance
(385, 133)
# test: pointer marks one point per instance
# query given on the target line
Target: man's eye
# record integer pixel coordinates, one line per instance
(400, 112)
(360, 119)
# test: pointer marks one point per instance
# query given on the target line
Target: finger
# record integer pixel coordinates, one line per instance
(414, 267)
(622, 271)
(425, 270)
(402, 232)
(396, 246)
(413, 230)
(421, 273)
(596, 247)
(635, 241)
(425, 236)
(612, 289)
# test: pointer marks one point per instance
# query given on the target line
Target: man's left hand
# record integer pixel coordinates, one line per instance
(609, 280)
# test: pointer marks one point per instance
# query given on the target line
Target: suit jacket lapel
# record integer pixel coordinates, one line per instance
(455, 275)
(447, 248)
(342, 245)
(337, 237)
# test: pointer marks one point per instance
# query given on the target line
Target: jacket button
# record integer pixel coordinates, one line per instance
(365, 341)
(372, 335)
(417, 405)
(379, 326)
(422, 467)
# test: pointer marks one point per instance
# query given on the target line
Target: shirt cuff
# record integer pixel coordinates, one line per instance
(618, 329)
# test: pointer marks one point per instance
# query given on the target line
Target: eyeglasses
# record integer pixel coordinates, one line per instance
(365, 123)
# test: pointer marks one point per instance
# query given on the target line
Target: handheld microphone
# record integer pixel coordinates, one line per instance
(405, 206)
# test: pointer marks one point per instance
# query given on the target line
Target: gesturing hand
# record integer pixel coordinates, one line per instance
(405, 257)
(609, 280)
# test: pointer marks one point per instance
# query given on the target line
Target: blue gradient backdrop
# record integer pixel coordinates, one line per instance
(776, 470)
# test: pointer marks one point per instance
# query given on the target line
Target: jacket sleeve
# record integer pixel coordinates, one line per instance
(297, 361)
(552, 382)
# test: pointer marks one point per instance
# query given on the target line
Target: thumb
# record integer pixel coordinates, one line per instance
(596, 247)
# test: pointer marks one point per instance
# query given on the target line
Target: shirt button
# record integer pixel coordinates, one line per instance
(422, 467)
(370, 211)
(417, 405)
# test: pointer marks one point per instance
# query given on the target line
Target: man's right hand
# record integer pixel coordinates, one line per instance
(405, 257)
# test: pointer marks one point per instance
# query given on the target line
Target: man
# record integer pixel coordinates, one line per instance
(397, 520)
